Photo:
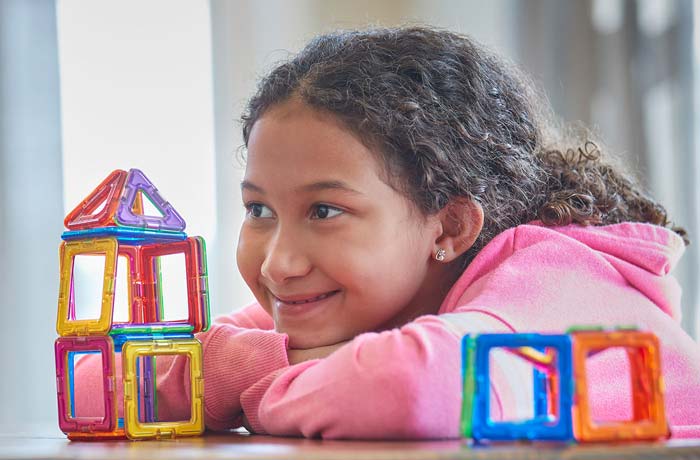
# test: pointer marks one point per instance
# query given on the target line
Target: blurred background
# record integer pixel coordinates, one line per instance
(88, 86)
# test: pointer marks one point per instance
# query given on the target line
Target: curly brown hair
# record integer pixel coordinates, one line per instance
(450, 119)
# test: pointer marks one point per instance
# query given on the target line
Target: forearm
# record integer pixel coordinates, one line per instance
(233, 361)
(377, 386)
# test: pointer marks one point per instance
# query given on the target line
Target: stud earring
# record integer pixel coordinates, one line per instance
(440, 255)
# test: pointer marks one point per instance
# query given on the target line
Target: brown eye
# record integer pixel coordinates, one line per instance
(258, 211)
(323, 211)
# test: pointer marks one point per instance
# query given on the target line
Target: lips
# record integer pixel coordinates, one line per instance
(305, 298)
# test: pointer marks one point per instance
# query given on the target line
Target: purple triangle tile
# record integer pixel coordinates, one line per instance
(136, 181)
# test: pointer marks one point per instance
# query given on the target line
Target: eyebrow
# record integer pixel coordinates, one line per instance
(313, 187)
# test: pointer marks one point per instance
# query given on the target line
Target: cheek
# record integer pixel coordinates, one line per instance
(248, 259)
(386, 274)
(397, 281)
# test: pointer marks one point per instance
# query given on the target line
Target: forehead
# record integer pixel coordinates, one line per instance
(293, 143)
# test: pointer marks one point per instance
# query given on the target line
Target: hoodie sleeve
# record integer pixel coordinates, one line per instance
(397, 384)
(238, 350)
(234, 359)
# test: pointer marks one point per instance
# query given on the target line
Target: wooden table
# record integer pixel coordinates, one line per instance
(243, 446)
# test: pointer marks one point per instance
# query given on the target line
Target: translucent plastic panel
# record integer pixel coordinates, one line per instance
(88, 277)
(520, 389)
(85, 380)
(152, 410)
(149, 209)
(88, 281)
(608, 373)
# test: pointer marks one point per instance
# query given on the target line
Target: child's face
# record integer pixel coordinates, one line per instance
(327, 247)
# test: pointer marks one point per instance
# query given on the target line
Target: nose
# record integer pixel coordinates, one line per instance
(285, 258)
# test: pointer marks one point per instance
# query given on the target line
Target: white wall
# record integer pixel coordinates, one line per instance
(136, 92)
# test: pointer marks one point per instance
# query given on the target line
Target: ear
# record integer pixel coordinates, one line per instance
(462, 220)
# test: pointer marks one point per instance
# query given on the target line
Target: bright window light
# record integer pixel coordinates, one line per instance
(136, 92)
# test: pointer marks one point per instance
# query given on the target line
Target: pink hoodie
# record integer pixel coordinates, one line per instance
(405, 383)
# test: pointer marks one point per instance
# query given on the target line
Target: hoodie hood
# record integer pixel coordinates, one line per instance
(646, 246)
(642, 254)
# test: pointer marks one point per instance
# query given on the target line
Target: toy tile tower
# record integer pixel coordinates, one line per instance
(110, 226)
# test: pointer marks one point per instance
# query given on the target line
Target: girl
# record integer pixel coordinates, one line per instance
(405, 187)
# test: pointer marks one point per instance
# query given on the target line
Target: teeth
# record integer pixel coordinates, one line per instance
(322, 296)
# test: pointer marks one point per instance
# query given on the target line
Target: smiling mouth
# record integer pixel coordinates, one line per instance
(310, 300)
